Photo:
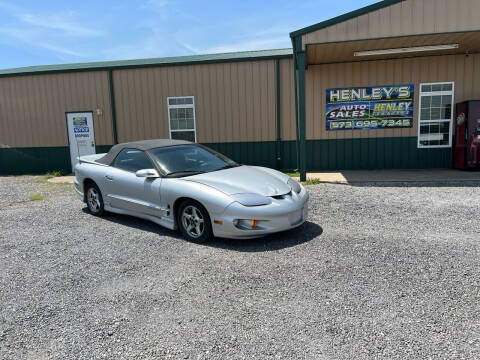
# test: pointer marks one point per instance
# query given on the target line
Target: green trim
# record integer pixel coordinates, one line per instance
(341, 154)
(99, 149)
(112, 106)
(140, 63)
(278, 112)
(34, 160)
(302, 60)
(334, 154)
(338, 19)
(297, 44)
(374, 153)
(38, 160)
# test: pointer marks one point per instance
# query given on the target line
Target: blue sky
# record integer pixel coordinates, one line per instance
(50, 32)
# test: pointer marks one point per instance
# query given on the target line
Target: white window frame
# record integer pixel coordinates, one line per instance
(432, 93)
(192, 105)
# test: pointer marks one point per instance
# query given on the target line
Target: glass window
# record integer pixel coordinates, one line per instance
(435, 115)
(184, 135)
(426, 88)
(180, 101)
(132, 160)
(184, 160)
(181, 115)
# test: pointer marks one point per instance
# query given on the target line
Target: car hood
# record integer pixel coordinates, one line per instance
(243, 179)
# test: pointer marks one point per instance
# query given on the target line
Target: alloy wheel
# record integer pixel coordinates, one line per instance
(193, 221)
(93, 200)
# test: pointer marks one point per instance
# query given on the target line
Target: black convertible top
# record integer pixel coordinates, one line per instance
(141, 145)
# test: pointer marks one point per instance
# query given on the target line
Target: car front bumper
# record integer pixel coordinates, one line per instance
(281, 215)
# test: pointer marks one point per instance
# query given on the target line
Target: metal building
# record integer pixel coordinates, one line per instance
(371, 89)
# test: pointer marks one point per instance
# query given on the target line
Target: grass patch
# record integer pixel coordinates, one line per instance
(36, 197)
(292, 174)
(50, 175)
(53, 174)
(311, 182)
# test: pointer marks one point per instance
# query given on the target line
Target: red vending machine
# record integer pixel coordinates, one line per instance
(466, 151)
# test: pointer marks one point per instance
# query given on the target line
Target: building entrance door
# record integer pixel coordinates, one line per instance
(81, 135)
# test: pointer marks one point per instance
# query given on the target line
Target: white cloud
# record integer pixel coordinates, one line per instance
(31, 38)
(141, 29)
(64, 22)
(158, 4)
(60, 49)
(60, 33)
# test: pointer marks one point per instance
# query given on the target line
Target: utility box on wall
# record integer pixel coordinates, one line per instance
(466, 152)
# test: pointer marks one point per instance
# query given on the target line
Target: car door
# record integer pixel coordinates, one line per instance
(127, 191)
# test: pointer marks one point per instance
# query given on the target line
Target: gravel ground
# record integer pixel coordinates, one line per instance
(381, 271)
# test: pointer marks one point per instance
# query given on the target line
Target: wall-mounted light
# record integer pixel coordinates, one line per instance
(406, 50)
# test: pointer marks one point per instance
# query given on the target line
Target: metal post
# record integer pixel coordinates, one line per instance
(301, 105)
(277, 100)
(295, 85)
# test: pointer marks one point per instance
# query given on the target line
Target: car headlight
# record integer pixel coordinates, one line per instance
(251, 199)
(295, 186)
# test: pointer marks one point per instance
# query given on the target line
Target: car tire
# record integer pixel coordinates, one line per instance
(94, 199)
(194, 222)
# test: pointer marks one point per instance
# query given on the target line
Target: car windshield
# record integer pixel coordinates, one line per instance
(184, 160)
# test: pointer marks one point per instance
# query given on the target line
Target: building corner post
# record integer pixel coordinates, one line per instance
(277, 111)
(301, 63)
(295, 86)
(112, 106)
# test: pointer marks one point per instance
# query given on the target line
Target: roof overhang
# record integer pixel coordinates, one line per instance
(338, 19)
(416, 45)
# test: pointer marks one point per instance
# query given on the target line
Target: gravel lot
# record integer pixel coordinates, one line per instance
(384, 271)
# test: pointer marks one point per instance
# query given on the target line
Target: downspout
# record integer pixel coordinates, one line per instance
(112, 106)
(277, 104)
(297, 142)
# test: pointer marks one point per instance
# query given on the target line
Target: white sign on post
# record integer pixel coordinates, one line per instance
(81, 135)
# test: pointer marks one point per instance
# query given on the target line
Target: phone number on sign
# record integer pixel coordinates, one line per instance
(359, 124)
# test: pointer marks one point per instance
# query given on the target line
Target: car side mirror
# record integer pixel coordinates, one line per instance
(147, 173)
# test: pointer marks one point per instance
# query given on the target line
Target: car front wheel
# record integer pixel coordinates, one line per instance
(194, 221)
(94, 199)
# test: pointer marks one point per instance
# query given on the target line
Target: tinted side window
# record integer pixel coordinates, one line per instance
(132, 160)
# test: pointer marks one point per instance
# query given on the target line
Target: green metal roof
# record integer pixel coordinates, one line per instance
(344, 17)
(175, 60)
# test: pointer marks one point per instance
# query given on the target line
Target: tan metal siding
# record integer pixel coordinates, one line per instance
(405, 18)
(233, 101)
(32, 108)
(287, 100)
(463, 70)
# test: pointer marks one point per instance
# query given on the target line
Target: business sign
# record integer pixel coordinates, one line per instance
(80, 127)
(379, 107)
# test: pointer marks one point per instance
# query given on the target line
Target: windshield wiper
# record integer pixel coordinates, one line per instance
(186, 172)
(228, 167)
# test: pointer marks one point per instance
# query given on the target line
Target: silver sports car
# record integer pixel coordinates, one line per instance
(179, 184)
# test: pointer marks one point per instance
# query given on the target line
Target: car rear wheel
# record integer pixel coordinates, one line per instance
(94, 199)
(194, 221)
